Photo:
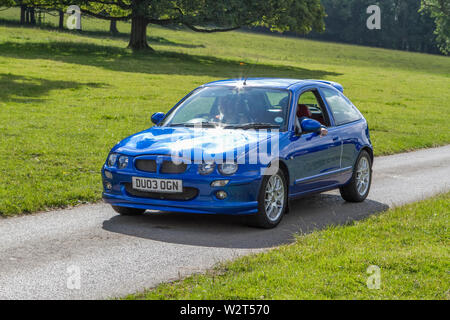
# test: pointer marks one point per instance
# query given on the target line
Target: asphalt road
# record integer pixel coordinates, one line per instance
(90, 252)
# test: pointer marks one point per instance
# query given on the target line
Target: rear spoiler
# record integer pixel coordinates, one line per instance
(333, 84)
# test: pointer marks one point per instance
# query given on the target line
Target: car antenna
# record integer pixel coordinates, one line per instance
(248, 72)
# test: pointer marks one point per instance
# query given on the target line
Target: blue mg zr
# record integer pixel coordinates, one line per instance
(243, 147)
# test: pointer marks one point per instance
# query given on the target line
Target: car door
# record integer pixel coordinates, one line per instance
(313, 159)
(347, 125)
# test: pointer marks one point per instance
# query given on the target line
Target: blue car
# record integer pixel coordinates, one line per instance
(243, 147)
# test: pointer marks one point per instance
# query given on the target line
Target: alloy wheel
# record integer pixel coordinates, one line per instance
(274, 197)
(363, 176)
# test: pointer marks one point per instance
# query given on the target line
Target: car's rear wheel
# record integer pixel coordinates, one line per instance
(125, 211)
(358, 187)
(272, 202)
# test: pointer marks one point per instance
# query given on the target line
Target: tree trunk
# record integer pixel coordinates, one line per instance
(23, 11)
(138, 36)
(113, 27)
(27, 16)
(32, 16)
(61, 19)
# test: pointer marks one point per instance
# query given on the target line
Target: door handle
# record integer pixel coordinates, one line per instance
(335, 138)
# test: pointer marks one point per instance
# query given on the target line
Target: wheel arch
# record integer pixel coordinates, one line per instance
(369, 151)
(283, 167)
(285, 170)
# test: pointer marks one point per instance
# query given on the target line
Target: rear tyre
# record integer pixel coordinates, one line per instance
(272, 202)
(358, 187)
(125, 211)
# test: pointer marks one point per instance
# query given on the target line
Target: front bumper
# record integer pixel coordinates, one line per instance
(242, 190)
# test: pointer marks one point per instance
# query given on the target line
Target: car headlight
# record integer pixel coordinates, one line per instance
(206, 168)
(123, 162)
(228, 168)
(112, 159)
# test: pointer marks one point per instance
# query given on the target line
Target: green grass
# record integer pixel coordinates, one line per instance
(409, 244)
(67, 97)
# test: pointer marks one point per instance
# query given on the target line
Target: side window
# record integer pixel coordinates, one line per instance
(310, 105)
(343, 111)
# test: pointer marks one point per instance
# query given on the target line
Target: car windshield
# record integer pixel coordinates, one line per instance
(232, 107)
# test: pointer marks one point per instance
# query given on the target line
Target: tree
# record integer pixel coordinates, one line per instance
(299, 16)
(8, 3)
(113, 27)
(27, 12)
(402, 26)
(61, 19)
(439, 10)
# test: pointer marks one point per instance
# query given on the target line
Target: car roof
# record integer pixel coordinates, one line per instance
(276, 83)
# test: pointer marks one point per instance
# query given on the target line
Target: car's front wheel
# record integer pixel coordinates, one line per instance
(358, 187)
(272, 201)
(125, 211)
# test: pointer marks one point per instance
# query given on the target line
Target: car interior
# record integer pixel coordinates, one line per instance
(310, 105)
(256, 107)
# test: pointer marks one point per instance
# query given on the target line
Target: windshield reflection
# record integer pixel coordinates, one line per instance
(232, 108)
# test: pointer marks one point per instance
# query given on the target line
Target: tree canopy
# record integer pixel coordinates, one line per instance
(403, 27)
(300, 16)
(439, 10)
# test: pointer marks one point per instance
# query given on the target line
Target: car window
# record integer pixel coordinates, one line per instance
(342, 110)
(315, 110)
(202, 105)
(276, 97)
(233, 106)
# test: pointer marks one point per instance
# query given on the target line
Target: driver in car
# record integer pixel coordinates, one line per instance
(229, 112)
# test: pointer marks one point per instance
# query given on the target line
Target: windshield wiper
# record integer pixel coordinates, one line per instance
(199, 124)
(256, 125)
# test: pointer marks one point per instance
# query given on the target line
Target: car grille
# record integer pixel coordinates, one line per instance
(146, 165)
(170, 167)
(188, 193)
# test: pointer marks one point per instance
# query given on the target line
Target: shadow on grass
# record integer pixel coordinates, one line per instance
(308, 214)
(18, 88)
(99, 34)
(162, 62)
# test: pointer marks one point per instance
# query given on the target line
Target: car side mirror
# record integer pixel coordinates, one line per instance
(310, 125)
(157, 117)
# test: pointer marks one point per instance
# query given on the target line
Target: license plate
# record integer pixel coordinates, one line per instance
(157, 185)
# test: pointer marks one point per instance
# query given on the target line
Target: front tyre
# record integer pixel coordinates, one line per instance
(125, 211)
(358, 187)
(272, 202)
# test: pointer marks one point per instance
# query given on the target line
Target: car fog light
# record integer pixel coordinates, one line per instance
(108, 174)
(219, 183)
(123, 162)
(108, 185)
(221, 195)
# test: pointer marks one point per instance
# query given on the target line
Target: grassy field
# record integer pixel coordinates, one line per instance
(67, 97)
(409, 244)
